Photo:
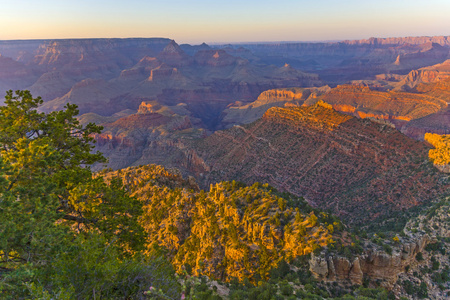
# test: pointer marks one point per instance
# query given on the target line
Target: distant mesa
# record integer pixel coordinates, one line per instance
(321, 116)
(210, 78)
(363, 101)
(246, 113)
(429, 74)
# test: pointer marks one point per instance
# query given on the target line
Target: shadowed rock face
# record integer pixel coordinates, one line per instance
(436, 123)
(14, 74)
(358, 169)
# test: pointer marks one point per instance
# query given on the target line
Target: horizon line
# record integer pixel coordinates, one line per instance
(222, 42)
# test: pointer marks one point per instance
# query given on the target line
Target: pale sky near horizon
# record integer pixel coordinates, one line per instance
(198, 21)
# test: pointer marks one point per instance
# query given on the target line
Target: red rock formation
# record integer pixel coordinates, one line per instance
(150, 135)
(365, 102)
(244, 114)
(359, 169)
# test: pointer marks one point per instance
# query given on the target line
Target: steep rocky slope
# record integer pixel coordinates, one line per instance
(359, 169)
(413, 264)
(428, 276)
(374, 262)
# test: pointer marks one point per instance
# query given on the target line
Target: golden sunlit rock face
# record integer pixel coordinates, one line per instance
(238, 113)
(365, 102)
(232, 231)
(320, 116)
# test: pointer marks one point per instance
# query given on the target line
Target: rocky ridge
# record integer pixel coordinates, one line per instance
(336, 161)
(364, 102)
(373, 263)
(239, 113)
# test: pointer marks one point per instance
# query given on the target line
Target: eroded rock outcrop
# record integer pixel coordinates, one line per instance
(365, 102)
(373, 264)
(239, 113)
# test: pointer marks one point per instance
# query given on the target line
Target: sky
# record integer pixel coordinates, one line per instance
(226, 21)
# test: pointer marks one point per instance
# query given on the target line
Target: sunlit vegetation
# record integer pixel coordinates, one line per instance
(232, 231)
(441, 154)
